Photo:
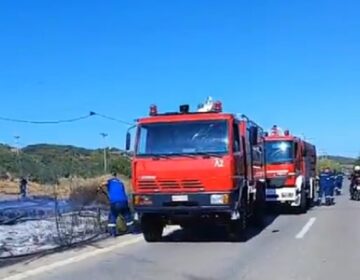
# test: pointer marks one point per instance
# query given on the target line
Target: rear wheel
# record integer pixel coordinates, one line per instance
(258, 219)
(152, 229)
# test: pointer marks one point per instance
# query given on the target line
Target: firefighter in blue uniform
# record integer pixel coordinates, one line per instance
(326, 186)
(339, 178)
(118, 203)
(23, 188)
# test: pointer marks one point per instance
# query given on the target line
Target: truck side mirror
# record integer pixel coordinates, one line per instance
(128, 141)
(254, 135)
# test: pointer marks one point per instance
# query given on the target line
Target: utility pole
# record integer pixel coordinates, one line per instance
(104, 135)
(17, 148)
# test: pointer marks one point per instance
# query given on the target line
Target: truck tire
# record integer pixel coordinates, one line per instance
(310, 199)
(302, 208)
(152, 229)
(236, 230)
(258, 219)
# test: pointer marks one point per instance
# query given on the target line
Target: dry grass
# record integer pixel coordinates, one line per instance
(79, 190)
(85, 192)
(12, 188)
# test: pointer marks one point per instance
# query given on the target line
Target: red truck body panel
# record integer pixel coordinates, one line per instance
(180, 174)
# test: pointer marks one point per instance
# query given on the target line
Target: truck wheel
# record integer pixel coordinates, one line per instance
(302, 208)
(236, 230)
(259, 216)
(258, 219)
(310, 200)
(152, 229)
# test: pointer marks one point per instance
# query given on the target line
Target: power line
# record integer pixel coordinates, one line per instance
(112, 119)
(48, 122)
(61, 121)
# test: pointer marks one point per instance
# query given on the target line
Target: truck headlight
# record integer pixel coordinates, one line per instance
(219, 199)
(142, 200)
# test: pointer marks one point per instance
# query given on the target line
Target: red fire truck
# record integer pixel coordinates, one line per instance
(290, 169)
(195, 167)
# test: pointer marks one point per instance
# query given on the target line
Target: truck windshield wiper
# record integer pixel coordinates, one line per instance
(170, 155)
(157, 156)
(182, 155)
(205, 154)
(189, 155)
(278, 163)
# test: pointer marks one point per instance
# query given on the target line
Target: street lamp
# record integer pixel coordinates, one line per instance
(18, 159)
(17, 145)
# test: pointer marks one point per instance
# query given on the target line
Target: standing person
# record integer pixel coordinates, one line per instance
(23, 187)
(338, 183)
(118, 203)
(326, 186)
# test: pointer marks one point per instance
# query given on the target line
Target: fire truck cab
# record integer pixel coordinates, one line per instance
(196, 167)
(290, 169)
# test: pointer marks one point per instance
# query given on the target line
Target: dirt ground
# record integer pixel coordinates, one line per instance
(65, 189)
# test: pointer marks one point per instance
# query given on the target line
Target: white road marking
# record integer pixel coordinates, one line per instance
(81, 257)
(306, 228)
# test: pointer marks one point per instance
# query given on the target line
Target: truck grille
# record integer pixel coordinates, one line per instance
(168, 185)
(278, 182)
(190, 185)
(147, 185)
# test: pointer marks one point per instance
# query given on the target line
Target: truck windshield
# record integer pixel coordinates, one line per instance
(183, 138)
(278, 152)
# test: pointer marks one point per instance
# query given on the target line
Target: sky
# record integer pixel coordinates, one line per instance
(292, 63)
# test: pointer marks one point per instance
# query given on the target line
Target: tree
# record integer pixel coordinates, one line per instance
(122, 166)
(47, 163)
(328, 163)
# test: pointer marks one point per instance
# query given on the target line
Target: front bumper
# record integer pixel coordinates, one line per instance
(195, 204)
(283, 195)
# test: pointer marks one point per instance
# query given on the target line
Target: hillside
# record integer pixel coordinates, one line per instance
(46, 163)
(340, 159)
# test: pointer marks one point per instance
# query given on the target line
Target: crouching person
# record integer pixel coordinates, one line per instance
(118, 204)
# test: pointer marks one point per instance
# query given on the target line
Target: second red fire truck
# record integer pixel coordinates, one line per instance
(290, 170)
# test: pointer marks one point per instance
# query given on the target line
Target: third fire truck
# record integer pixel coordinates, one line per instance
(290, 170)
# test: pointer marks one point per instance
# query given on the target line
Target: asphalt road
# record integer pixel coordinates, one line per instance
(322, 244)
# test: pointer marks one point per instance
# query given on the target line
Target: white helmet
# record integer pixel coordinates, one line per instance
(357, 168)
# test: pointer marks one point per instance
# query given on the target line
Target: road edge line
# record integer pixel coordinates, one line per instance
(72, 260)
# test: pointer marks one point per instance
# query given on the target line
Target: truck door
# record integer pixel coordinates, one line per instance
(238, 156)
(298, 159)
